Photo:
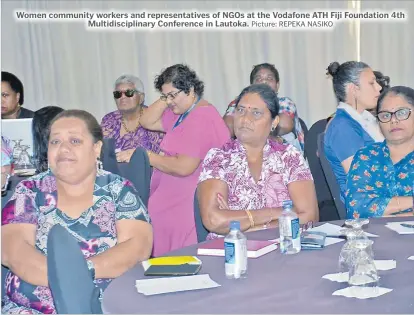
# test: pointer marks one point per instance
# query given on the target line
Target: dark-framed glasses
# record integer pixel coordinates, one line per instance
(127, 93)
(170, 96)
(400, 114)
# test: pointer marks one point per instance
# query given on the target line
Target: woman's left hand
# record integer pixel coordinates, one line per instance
(124, 156)
(222, 203)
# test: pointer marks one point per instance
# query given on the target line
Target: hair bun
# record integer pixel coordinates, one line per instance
(333, 68)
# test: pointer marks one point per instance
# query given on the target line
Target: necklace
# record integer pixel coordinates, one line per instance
(136, 128)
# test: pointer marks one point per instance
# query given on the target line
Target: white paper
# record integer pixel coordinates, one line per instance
(334, 230)
(362, 292)
(337, 277)
(341, 277)
(333, 240)
(411, 258)
(174, 284)
(396, 226)
(385, 264)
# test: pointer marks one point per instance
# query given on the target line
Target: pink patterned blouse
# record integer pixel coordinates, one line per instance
(282, 165)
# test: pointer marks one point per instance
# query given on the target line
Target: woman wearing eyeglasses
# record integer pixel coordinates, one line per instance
(192, 127)
(124, 125)
(381, 177)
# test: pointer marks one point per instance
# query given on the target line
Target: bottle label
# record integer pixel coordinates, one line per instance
(229, 253)
(295, 228)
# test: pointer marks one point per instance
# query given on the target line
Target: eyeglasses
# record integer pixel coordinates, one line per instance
(170, 96)
(400, 115)
(128, 93)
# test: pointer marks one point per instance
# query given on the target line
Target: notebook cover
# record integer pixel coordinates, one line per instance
(173, 270)
(255, 248)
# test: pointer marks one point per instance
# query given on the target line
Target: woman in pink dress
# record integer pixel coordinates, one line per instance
(249, 178)
(192, 127)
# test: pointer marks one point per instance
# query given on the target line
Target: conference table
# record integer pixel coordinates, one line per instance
(279, 283)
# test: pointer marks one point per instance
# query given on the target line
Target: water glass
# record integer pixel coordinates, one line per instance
(363, 273)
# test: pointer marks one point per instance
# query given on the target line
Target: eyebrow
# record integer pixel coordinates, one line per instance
(70, 132)
(256, 108)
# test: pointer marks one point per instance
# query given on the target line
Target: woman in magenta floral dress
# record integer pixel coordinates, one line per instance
(249, 178)
(101, 210)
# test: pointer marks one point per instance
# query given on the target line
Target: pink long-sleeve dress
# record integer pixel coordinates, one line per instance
(171, 202)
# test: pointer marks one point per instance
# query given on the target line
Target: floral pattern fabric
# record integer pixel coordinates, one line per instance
(282, 165)
(35, 202)
(111, 127)
(373, 180)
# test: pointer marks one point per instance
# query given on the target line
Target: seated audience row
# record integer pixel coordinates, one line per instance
(190, 149)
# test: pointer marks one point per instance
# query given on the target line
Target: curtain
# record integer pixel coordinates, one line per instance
(65, 64)
(388, 46)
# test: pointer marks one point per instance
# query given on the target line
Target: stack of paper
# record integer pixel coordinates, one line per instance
(174, 284)
(404, 227)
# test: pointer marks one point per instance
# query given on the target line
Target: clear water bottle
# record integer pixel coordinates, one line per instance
(235, 252)
(289, 229)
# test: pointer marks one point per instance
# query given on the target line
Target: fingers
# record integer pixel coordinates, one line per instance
(222, 203)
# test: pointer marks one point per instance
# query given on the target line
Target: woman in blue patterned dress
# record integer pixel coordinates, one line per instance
(101, 210)
(381, 177)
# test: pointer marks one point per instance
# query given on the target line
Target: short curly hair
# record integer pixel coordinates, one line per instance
(182, 78)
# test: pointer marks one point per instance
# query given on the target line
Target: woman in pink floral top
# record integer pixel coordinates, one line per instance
(254, 174)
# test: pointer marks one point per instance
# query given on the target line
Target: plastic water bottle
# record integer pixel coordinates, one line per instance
(235, 252)
(289, 230)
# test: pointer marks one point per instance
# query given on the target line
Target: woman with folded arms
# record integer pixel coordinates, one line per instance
(101, 210)
(249, 178)
(381, 177)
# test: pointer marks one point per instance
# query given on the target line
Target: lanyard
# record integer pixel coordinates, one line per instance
(183, 116)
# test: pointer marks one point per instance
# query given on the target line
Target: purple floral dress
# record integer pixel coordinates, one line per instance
(111, 127)
(34, 202)
(282, 165)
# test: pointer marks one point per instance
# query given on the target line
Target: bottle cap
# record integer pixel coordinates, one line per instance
(287, 203)
(234, 225)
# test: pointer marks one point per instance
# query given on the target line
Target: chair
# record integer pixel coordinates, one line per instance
(108, 157)
(69, 279)
(327, 209)
(304, 127)
(202, 232)
(139, 172)
(330, 178)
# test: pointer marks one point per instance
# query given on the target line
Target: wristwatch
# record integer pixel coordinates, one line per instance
(91, 268)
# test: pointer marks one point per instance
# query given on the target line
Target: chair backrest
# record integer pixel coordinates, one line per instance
(327, 209)
(330, 178)
(108, 157)
(139, 172)
(303, 125)
(69, 279)
(202, 232)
